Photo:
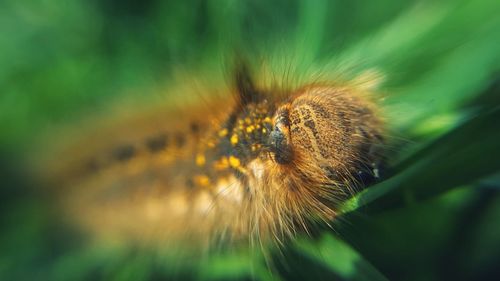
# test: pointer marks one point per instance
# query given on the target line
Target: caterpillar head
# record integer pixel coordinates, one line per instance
(321, 135)
(325, 132)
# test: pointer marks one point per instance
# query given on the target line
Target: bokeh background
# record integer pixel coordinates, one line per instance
(435, 217)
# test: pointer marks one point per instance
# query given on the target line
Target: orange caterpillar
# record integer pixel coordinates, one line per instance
(258, 167)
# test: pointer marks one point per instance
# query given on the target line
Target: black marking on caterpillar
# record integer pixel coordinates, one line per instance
(124, 153)
(157, 143)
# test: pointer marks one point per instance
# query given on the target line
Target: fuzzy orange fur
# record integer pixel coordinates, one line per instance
(188, 192)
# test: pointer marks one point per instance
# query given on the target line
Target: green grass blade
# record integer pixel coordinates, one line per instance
(331, 259)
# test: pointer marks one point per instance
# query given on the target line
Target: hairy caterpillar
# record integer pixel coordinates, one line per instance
(258, 167)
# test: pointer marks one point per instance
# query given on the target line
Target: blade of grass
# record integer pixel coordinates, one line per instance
(343, 262)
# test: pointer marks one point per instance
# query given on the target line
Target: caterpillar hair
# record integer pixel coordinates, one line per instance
(255, 165)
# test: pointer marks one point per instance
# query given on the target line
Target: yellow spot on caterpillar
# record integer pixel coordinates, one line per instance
(234, 139)
(222, 164)
(201, 180)
(234, 161)
(223, 133)
(254, 147)
(264, 130)
(200, 160)
(268, 119)
(248, 121)
(250, 129)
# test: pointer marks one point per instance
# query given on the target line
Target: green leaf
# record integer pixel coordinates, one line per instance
(242, 265)
(341, 260)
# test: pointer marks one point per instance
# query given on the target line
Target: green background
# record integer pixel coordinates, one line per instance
(435, 216)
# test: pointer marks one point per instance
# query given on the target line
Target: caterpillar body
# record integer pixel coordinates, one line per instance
(259, 166)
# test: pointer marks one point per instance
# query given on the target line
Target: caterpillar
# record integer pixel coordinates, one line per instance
(255, 165)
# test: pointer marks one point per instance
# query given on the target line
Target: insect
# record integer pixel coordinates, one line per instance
(258, 166)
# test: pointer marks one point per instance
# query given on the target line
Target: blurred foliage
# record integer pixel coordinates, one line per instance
(436, 215)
